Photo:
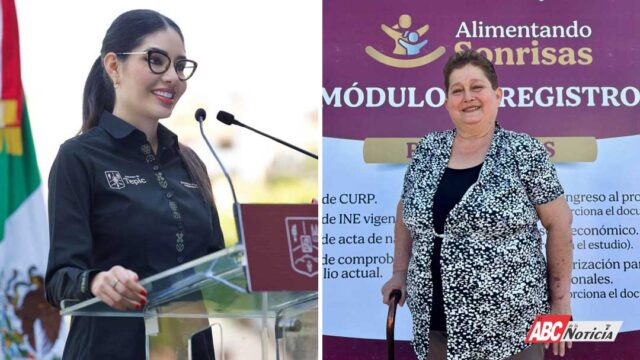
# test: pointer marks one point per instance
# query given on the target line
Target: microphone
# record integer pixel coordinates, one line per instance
(229, 119)
(200, 116)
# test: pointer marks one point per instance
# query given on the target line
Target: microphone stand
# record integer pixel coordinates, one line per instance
(236, 206)
(276, 139)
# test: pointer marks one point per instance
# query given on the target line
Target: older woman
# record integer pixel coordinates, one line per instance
(468, 254)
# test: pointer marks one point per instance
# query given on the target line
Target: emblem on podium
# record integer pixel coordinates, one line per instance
(302, 234)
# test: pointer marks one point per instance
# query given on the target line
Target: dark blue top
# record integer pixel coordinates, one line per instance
(112, 201)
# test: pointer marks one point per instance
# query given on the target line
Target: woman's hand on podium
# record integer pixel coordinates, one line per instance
(119, 288)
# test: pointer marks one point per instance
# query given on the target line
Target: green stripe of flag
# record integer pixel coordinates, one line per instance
(19, 175)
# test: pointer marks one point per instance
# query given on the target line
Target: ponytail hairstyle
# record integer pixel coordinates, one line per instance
(126, 33)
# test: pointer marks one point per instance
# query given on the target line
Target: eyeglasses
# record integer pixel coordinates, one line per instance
(160, 62)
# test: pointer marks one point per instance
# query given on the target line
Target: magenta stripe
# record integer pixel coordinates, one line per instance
(626, 347)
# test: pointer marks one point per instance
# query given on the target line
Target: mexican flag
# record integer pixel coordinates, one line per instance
(29, 327)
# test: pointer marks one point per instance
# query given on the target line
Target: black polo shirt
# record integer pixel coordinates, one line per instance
(112, 201)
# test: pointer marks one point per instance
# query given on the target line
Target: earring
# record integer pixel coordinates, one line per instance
(115, 81)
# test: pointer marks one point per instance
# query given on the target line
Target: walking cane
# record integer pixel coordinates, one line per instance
(394, 297)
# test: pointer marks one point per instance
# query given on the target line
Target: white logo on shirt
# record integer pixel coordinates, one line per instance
(135, 180)
(189, 185)
(116, 181)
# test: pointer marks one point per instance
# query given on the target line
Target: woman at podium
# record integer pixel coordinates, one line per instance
(126, 199)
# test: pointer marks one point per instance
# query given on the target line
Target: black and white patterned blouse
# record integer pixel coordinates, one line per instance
(494, 275)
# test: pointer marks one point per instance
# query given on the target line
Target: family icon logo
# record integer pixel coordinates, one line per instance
(410, 43)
